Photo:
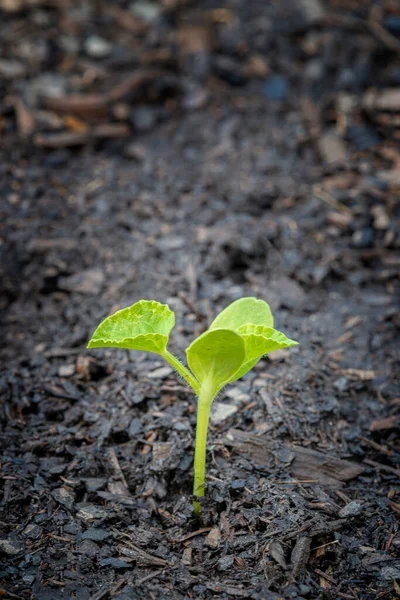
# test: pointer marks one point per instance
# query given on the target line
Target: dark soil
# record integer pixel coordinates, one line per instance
(253, 152)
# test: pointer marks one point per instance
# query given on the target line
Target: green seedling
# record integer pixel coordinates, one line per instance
(233, 344)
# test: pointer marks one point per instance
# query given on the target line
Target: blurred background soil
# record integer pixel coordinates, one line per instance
(193, 153)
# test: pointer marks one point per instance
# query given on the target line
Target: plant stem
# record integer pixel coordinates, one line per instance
(206, 397)
(182, 370)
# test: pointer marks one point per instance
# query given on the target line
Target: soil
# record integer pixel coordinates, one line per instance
(194, 153)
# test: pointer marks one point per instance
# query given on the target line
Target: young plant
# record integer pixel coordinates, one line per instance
(235, 341)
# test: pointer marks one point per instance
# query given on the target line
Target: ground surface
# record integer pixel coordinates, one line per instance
(253, 153)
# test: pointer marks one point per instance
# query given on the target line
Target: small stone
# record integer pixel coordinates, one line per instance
(331, 147)
(258, 383)
(88, 548)
(363, 238)
(64, 496)
(187, 556)
(278, 355)
(95, 483)
(160, 373)
(143, 118)
(225, 563)
(96, 535)
(28, 579)
(276, 88)
(73, 527)
(340, 220)
(161, 454)
(136, 152)
(145, 11)
(195, 99)
(381, 218)
(135, 427)
(11, 69)
(352, 509)
(170, 242)
(341, 384)
(12, 547)
(97, 47)
(237, 395)
(66, 370)
(114, 562)
(33, 532)
(88, 513)
(213, 538)
(238, 484)
(221, 412)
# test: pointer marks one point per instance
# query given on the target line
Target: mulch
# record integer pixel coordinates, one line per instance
(194, 153)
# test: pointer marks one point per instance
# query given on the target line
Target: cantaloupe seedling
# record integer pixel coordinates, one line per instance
(235, 341)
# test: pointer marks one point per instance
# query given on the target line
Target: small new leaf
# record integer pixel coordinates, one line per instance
(242, 312)
(215, 357)
(260, 340)
(145, 326)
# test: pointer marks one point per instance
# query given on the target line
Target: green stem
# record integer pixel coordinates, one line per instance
(182, 370)
(205, 400)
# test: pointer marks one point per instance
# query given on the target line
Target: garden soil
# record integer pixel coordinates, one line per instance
(194, 153)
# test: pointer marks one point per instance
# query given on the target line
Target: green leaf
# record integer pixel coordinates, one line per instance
(244, 311)
(259, 341)
(144, 326)
(215, 357)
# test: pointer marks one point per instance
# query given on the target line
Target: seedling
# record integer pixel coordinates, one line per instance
(235, 341)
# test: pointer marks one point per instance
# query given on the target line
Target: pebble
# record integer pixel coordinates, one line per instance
(213, 538)
(332, 147)
(66, 370)
(97, 47)
(238, 484)
(352, 509)
(160, 373)
(143, 118)
(170, 242)
(95, 483)
(220, 412)
(145, 11)
(28, 579)
(136, 152)
(341, 384)
(64, 496)
(11, 69)
(161, 453)
(12, 547)
(225, 563)
(88, 548)
(276, 88)
(135, 427)
(88, 513)
(237, 395)
(363, 238)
